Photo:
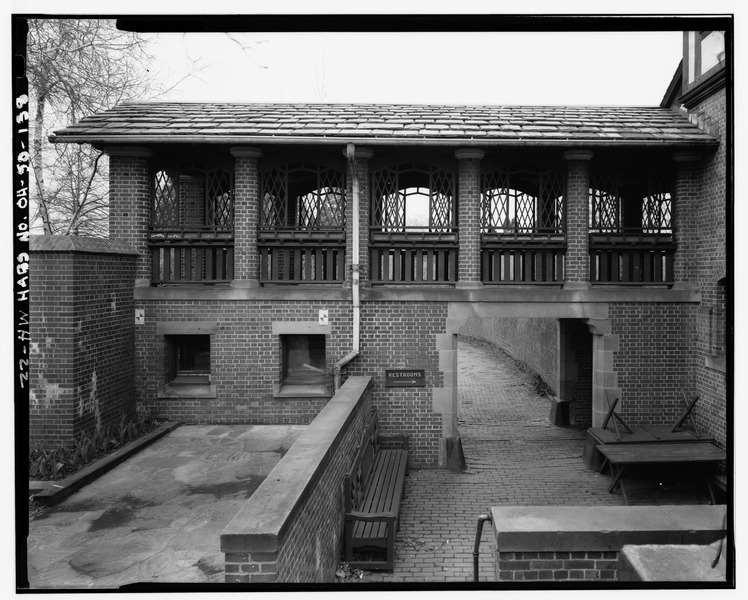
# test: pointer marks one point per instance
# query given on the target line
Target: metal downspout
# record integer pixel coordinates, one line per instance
(350, 152)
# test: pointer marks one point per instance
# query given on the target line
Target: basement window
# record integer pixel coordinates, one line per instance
(188, 367)
(303, 366)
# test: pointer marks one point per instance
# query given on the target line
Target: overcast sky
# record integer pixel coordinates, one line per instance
(611, 68)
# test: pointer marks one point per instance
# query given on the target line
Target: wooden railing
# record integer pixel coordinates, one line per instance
(522, 258)
(301, 256)
(413, 257)
(195, 255)
(632, 258)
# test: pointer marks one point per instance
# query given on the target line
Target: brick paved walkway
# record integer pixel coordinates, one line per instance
(514, 457)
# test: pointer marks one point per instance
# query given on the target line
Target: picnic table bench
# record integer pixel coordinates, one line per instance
(622, 456)
(623, 433)
(373, 489)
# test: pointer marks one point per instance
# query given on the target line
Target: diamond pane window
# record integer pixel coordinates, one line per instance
(605, 203)
(657, 206)
(413, 197)
(633, 201)
(521, 199)
(165, 204)
(193, 195)
(303, 196)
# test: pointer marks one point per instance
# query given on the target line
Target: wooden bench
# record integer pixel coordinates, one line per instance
(373, 490)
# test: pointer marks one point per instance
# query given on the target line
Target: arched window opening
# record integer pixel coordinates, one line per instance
(413, 198)
(522, 200)
(303, 197)
(192, 198)
(630, 203)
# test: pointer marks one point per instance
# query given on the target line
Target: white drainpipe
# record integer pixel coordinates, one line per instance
(350, 152)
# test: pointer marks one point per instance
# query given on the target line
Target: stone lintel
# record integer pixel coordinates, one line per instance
(578, 155)
(686, 157)
(469, 153)
(245, 152)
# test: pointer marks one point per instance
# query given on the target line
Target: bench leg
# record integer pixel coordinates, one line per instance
(618, 480)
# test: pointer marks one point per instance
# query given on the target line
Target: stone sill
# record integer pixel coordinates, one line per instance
(197, 390)
(301, 391)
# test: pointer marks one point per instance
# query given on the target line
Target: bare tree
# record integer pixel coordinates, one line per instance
(77, 67)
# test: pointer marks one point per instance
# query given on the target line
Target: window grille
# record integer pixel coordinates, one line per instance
(191, 196)
(522, 200)
(303, 196)
(413, 197)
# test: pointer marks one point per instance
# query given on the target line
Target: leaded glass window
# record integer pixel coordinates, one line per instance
(522, 199)
(637, 202)
(192, 195)
(303, 196)
(413, 197)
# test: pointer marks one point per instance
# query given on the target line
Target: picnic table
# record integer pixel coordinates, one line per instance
(615, 430)
(622, 456)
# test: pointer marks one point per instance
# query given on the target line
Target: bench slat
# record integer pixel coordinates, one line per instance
(384, 491)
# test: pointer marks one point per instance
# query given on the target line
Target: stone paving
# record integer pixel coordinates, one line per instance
(514, 457)
(157, 517)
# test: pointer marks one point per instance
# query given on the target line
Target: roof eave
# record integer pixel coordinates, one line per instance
(378, 141)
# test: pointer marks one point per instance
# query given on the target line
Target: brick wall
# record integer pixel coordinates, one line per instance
(713, 219)
(655, 356)
(557, 566)
(584, 543)
(299, 540)
(398, 335)
(82, 336)
(246, 359)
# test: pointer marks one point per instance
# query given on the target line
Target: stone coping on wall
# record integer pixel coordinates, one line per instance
(260, 523)
(517, 294)
(656, 562)
(79, 245)
(603, 528)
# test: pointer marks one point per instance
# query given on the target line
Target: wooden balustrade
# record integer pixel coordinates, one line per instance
(639, 258)
(416, 256)
(191, 261)
(301, 256)
(522, 258)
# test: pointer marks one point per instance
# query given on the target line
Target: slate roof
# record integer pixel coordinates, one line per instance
(174, 122)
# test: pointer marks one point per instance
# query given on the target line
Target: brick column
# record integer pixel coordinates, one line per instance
(577, 270)
(468, 207)
(246, 216)
(361, 159)
(130, 203)
(685, 216)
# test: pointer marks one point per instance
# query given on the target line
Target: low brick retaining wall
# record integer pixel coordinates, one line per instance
(290, 530)
(579, 543)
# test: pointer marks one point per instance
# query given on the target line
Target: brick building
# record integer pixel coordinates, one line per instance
(282, 248)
